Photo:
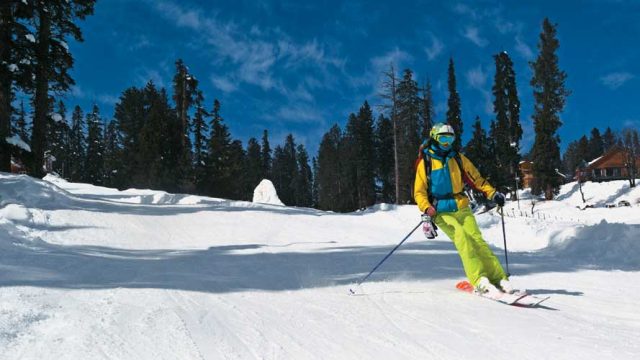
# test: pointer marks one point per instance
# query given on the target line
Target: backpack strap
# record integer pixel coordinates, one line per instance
(466, 177)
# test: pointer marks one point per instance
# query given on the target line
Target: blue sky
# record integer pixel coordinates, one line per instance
(301, 66)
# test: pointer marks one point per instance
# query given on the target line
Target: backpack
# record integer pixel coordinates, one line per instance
(466, 180)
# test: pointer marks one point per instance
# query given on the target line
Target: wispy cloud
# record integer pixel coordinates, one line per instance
(616, 79)
(472, 34)
(81, 93)
(477, 79)
(396, 57)
(298, 113)
(435, 49)
(225, 84)
(464, 9)
(632, 123)
(378, 65)
(257, 58)
(523, 49)
(145, 74)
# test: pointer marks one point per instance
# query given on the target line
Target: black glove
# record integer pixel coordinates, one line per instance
(498, 198)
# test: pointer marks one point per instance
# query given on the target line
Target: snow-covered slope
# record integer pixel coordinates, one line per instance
(88, 272)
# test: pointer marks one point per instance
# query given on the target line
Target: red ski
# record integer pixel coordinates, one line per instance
(519, 298)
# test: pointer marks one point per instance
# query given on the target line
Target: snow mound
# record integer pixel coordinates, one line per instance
(30, 192)
(265, 193)
(603, 245)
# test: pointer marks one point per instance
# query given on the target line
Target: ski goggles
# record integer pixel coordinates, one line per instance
(445, 139)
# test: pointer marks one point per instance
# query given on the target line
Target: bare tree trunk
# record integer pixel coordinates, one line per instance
(390, 94)
(41, 101)
(5, 87)
(394, 119)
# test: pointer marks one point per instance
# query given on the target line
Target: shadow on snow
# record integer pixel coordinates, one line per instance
(233, 268)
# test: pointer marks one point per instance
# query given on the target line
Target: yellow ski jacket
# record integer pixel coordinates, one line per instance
(447, 183)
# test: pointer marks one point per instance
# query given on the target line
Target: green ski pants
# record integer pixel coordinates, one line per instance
(477, 259)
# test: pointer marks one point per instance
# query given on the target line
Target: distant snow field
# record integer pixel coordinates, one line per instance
(88, 272)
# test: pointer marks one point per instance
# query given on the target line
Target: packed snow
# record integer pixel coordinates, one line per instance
(90, 272)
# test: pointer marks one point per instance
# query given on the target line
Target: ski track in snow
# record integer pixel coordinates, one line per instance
(96, 273)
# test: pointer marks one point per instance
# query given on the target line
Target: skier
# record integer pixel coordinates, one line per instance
(439, 193)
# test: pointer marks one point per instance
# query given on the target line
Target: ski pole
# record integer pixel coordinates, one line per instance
(504, 236)
(385, 258)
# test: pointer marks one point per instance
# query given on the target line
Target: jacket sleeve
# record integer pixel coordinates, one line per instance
(420, 187)
(473, 175)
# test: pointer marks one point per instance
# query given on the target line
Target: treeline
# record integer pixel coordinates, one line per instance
(150, 143)
(370, 162)
(175, 140)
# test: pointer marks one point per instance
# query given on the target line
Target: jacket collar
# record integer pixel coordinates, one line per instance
(437, 152)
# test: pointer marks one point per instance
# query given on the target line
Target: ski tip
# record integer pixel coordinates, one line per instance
(464, 285)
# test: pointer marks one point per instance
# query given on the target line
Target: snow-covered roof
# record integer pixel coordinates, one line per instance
(15, 140)
(594, 161)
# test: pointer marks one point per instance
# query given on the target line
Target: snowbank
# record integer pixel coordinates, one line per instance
(601, 246)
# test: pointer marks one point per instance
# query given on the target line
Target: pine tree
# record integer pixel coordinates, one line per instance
(94, 162)
(359, 133)
(384, 159)
(479, 151)
(304, 178)
(288, 168)
(314, 187)
(631, 146)
(59, 140)
(596, 145)
(265, 156)
(200, 155)
(609, 139)
(54, 22)
(390, 94)
(570, 159)
(172, 173)
(77, 146)
(219, 155)
(15, 67)
(157, 141)
(185, 94)
(348, 170)
(550, 97)
(278, 174)
(428, 111)
(409, 128)
(7, 21)
(454, 112)
(113, 156)
(329, 180)
(506, 106)
(253, 172)
(21, 128)
(130, 119)
(238, 189)
(151, 141)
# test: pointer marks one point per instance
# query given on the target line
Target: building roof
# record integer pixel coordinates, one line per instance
(605, 157)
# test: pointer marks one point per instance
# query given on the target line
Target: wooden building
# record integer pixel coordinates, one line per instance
(612, 165)
(526, 169)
